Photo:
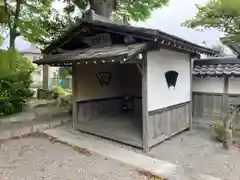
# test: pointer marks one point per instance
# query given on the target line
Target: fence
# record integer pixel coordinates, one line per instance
(208, 107)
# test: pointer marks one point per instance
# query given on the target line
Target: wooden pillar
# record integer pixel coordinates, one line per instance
(225, 95)
(145, 104)
(74, 94)
(191, 99)
(45, 76)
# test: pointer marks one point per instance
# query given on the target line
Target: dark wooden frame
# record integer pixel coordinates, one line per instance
(144, 104)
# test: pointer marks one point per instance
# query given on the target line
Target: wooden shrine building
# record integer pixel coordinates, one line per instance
(130, 84)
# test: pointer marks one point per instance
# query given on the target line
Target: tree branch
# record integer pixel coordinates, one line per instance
(8, 14)
(13, 29)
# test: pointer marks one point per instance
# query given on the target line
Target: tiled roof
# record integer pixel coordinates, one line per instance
(217, 67)
(152, 35)
(92, 55)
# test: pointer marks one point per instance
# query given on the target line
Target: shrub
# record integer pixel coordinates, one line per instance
(15, 80)
(219, 131)
(59, 91)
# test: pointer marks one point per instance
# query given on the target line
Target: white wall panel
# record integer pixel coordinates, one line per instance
(159, 95)
(208, 84)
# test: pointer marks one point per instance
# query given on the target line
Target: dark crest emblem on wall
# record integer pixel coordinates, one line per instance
(104, 78)
(171, 78)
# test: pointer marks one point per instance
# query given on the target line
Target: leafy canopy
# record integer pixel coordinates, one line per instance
(221, 14)
(219, 48)
(138, 9)
(13, 62)
(129, 9)
(1, 40)
(35, 20)
(39, 23)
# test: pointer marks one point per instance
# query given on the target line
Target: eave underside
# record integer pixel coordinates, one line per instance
(113, 53)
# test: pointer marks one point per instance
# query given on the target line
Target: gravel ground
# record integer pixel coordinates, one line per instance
(195, 151)
(198, 153)
(37, 158)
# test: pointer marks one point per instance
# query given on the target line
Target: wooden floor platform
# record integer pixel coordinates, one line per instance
(122, 128)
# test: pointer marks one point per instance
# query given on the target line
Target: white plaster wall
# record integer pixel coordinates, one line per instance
(53, 76)
(234, 86)
(53, 70)
(159, 62)
(208, 84)
(37, 75)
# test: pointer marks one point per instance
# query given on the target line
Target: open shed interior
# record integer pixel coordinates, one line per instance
(109, 101)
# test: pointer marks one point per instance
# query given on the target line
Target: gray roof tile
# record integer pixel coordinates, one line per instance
(217, 67)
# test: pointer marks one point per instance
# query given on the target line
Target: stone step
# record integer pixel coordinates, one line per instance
(23, 129)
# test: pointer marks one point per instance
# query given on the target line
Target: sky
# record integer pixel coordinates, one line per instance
(169, 19)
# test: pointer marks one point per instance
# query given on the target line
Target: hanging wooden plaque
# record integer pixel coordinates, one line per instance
(99, 40)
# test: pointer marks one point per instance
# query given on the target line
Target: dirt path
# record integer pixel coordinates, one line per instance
(37, 158)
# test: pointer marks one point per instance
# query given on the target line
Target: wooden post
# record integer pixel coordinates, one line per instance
(74, 94)
(229, 116)
(45, 76)
(145, 104)
(191, 91)
(225, 95)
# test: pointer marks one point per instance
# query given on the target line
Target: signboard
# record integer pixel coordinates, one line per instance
(99, 40)
(171, 78)
(104, 78)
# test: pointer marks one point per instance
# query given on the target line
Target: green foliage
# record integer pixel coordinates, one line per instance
(63, 73)
(233, 41)
(15, 80)
(13, 62)
(59, 91)
(39, 23)
(1, 40)
(219, 48)
(35, 20)
(127, 9)
(137, 10)
(219, 131)
(221, 14)
(3, 14)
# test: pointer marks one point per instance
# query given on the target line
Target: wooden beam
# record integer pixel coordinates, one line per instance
(74, 94)
(122, 33)
(140, 69)
(191, 91)
(145, 104)
(116, 58)
(225, 95)
(45, 76)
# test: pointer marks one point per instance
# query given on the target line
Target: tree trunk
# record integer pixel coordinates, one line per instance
(12, 38)
(103, 7)
(13, 28)
(228, 129)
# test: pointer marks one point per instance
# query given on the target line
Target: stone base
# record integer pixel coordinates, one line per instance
(14, 132)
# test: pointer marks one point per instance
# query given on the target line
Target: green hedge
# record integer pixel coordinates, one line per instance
(15, 81)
